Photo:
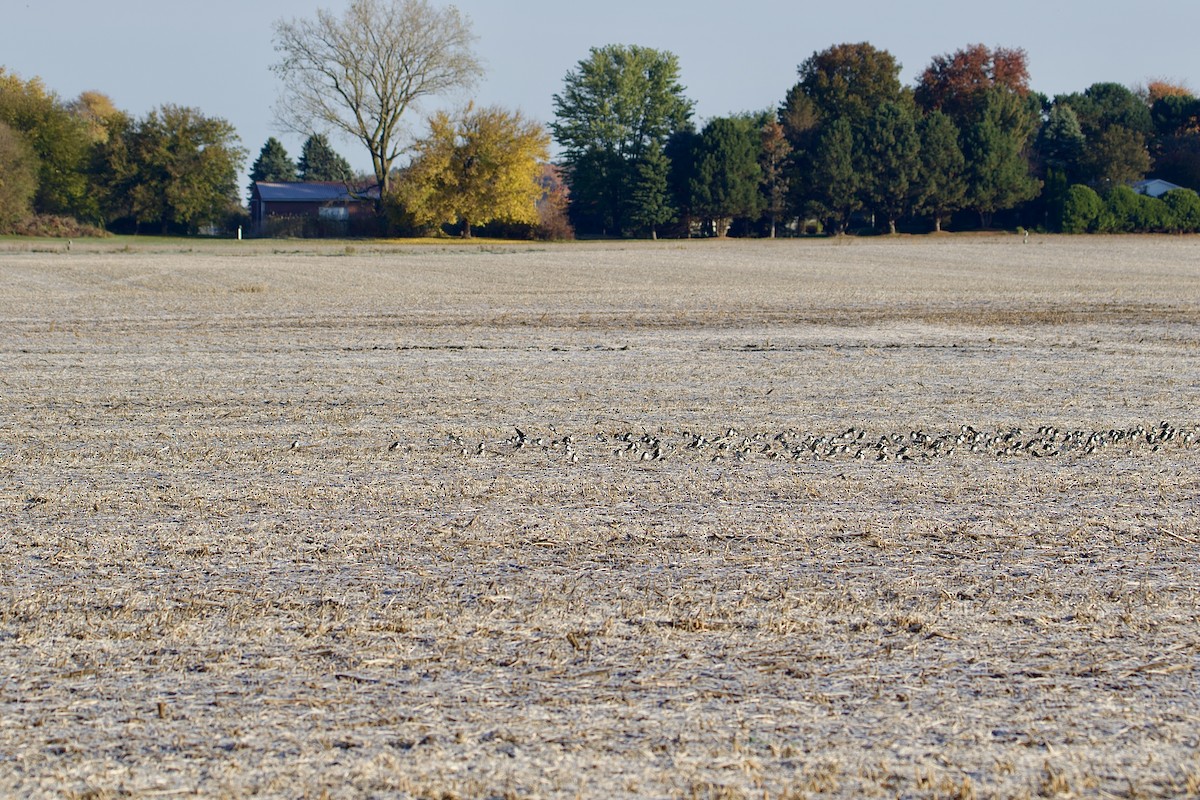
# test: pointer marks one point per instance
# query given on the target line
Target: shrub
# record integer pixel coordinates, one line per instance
(1082, 210)
(400, 221)
(1121, 205)
(51, 226)
(1151, 215)
(553, 222)
(1184, 207)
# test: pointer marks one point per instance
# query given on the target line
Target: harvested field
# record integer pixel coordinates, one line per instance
(877, 518)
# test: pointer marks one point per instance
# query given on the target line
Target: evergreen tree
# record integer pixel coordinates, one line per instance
(891, 159)
(1104, 105)
(833, 182)
(650, 198)
(994, 147)
(1177, 113)
(273, 164)
(824, 116)
(727, 176)
(319, 161)
(985, 92)
(681, 151)
(941, 186)
(598, 181)
(1176, 148)
(1054, 198)
(1115, 123)
(1061, 142)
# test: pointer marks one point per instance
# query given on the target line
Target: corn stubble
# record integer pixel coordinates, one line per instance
(710, 520)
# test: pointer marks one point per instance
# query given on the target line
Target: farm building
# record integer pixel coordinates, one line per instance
(311, 208)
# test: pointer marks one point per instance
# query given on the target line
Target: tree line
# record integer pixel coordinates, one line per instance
(79, 166)
(850, 146)
(970, 144)
(84, 166)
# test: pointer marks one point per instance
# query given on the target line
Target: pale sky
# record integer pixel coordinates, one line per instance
(734, 56)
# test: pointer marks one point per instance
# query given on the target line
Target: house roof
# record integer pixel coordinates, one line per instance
(311, 192)
(1154, 187)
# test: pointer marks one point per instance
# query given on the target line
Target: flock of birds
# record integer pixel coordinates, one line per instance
(853, 443)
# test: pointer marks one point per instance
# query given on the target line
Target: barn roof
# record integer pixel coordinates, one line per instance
(311, 192)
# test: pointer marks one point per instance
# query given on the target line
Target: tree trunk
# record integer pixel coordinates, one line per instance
(891, 227)
(381, 176)
(654, 234)
(466, 231)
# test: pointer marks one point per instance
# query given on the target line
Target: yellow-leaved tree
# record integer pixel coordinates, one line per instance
(476, 166)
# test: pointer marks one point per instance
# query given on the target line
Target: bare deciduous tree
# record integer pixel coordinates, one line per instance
(359, 73)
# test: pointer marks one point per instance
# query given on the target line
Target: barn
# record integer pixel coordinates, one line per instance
(312, 208)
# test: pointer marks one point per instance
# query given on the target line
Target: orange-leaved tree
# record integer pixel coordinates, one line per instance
(957, 82)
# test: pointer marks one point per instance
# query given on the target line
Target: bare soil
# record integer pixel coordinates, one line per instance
(870, 518)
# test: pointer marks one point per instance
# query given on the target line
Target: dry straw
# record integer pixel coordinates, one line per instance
(590, 520)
